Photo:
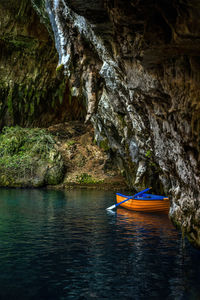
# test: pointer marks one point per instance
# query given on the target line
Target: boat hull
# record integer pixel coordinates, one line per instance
(145, 205)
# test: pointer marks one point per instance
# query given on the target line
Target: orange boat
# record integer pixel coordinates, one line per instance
(145, 202)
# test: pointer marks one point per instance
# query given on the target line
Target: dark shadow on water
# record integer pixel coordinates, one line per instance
(65, 245)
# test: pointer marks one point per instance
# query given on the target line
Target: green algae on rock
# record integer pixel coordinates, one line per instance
(33, 91)
(29, 158)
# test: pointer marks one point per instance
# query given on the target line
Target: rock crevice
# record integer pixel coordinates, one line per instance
(145, 60)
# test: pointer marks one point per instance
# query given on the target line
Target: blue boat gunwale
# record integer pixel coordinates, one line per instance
(145, 197)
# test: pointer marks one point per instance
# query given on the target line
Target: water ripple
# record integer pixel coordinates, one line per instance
(65, 245)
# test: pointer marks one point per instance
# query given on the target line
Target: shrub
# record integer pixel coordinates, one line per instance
(25, 153)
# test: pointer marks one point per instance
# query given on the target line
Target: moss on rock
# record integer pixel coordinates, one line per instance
(104, 144)
(28, 157)
(85, 178)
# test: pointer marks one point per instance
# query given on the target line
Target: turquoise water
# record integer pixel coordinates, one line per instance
(65, 245)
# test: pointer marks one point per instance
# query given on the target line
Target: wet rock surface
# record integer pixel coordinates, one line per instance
(136, 63)
(32, 92)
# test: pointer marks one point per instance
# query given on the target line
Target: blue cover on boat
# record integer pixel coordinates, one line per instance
(145, 197)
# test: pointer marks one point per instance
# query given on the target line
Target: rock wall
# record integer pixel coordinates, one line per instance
(32, 92)
(135, 65)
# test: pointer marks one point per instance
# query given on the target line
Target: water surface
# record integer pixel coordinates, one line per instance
(65, 245)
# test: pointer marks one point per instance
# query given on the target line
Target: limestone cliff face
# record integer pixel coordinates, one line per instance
(135, 65)
(32, 93)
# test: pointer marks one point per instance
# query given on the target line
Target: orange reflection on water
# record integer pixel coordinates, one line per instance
(154, 223)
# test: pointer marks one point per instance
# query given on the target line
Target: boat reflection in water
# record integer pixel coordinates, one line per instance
(146, 225)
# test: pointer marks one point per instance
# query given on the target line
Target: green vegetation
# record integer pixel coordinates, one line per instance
(27, 154)
(24, 101)
(60, 68)
(151, 163)
(148, 154)
(85, 178)
(104, 145)
(70, 143)
(121, 120)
